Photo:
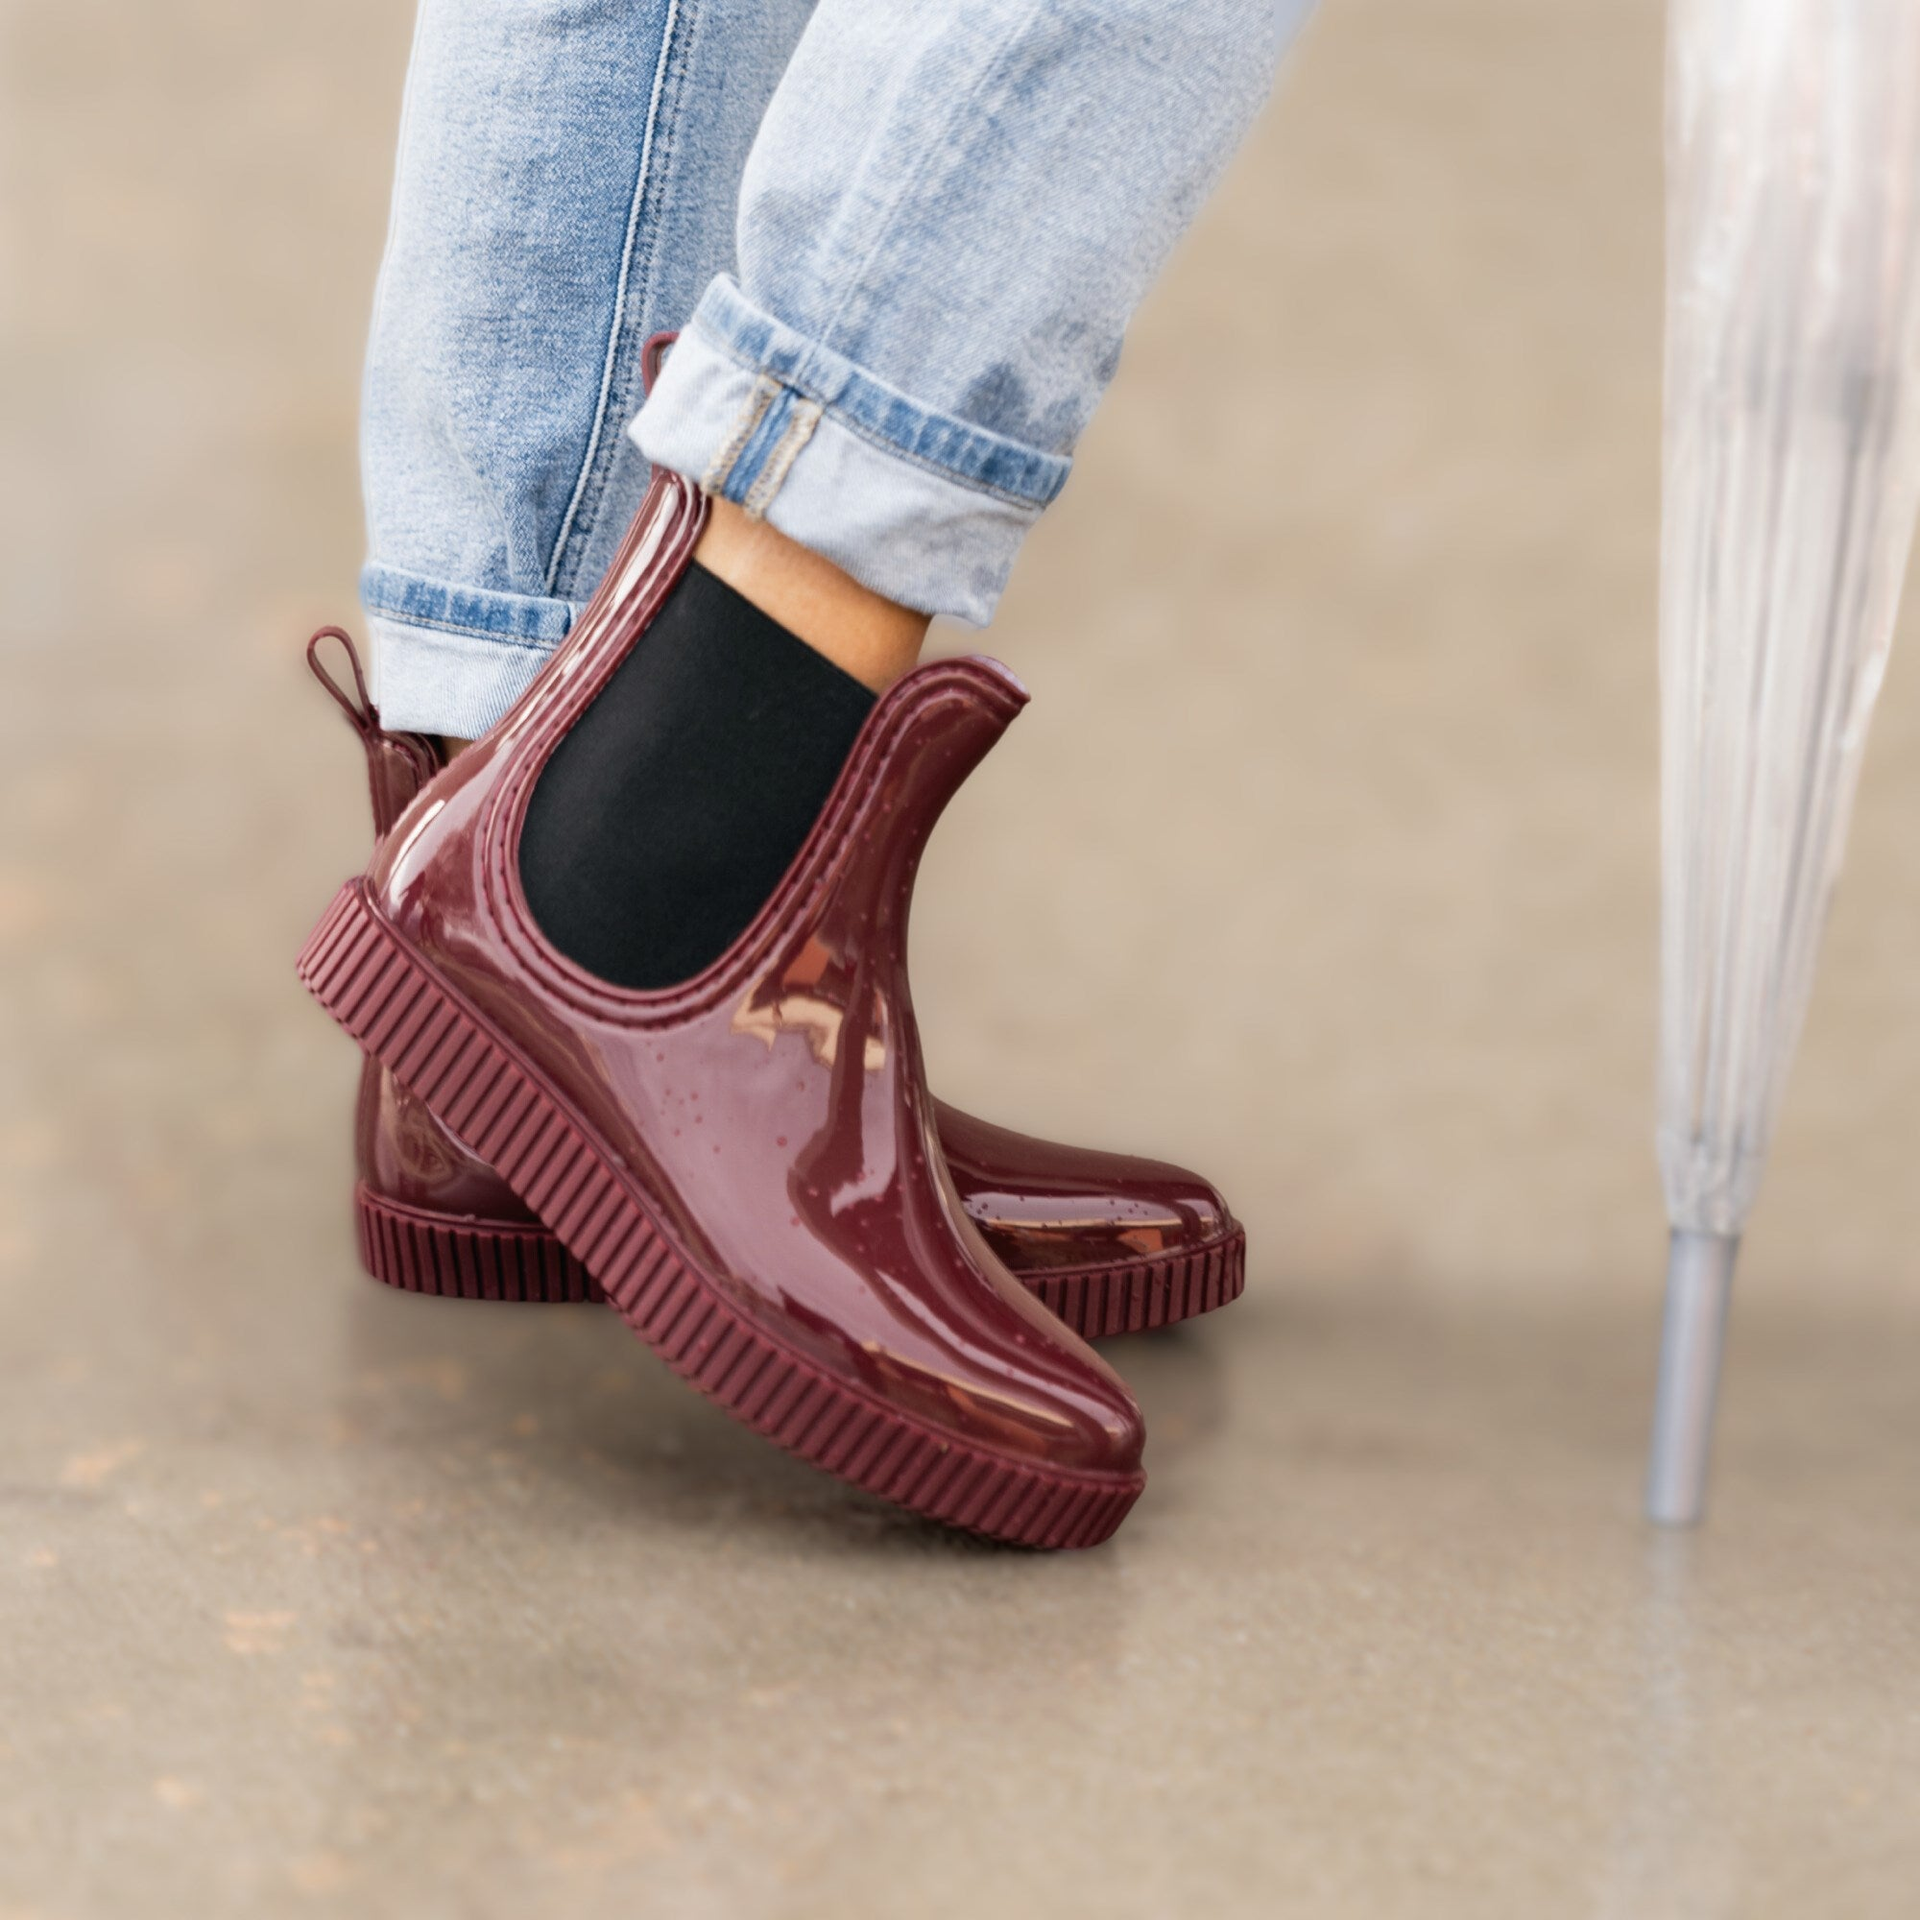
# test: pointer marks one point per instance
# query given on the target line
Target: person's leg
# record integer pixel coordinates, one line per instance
(566, 185)
(749, 1163)
(946, 221)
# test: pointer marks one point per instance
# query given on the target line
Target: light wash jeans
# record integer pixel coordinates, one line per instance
(947, 214)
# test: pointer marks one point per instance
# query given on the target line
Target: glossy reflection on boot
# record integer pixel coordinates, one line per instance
(1110, 1243)
(747, 1163)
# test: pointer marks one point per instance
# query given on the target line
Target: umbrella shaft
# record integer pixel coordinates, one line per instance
(1699, 1280)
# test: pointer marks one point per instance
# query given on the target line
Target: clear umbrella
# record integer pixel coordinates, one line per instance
(1792, 468)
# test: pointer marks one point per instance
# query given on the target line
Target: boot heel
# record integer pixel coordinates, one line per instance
(459, 1259)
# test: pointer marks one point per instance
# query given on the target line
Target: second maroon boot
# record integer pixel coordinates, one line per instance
(748, 1164)
(1109, 1242)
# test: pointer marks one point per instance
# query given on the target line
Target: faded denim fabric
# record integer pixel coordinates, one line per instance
(566, 184)
(945, 222)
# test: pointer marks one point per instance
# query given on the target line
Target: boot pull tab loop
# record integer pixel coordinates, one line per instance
(364, 715)
(652, 356)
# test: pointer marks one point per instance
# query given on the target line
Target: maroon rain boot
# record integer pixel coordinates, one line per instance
(747, 1164)
(1110, 1243)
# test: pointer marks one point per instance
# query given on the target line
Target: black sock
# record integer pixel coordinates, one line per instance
(667, 816)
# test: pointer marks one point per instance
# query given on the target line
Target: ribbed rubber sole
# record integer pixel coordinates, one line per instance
(468, 1259)
(402, 1012)
(465, 1259)
(1098, 1302)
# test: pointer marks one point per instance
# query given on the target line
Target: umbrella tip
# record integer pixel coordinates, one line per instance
(1693, 1337)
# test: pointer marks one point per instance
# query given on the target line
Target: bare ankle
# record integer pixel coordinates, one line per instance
(866, 635)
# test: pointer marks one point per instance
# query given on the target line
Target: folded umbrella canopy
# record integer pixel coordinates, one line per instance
(1792, 469)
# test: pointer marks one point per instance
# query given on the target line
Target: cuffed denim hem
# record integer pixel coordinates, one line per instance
(453, 659)
(921, 507)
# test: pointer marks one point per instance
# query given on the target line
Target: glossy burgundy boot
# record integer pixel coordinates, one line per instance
(1109, 1243)
(748, 1164)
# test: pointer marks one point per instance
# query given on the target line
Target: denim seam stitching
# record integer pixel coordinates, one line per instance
(621, 291)
(720, 467)
(765, 345)
(851, 423)
(413, 599)
(623, 401)
(745, 472)
(804, 418)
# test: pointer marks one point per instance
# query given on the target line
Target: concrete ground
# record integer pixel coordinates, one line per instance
(1324, 858)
